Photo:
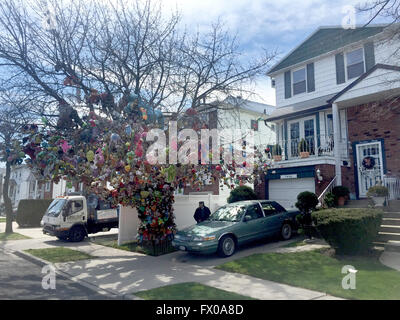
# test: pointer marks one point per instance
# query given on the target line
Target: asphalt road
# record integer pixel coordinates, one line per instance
(21, 279)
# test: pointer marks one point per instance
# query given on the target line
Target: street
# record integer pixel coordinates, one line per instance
(21, 279)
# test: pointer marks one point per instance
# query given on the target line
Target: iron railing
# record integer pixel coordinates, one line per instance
(329, 187)
(393, 185)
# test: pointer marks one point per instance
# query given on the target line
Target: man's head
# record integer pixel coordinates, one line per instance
(201, 204)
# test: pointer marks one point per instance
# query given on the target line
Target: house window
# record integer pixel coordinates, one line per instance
(302, 129)
(299, 81)
(355, 63)
(329, 125)
(47, 187)
(254, 125)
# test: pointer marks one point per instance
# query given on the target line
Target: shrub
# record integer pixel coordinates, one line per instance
(330, 200)
(378, 191)
(242, 193)
(340, 191)
(306, 201)
(303, 146)
(277, 150)
(349, 231)
(31, 211)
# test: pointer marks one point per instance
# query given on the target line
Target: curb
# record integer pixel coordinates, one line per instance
(106, 292)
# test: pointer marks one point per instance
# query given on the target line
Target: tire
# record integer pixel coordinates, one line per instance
(77, 234)
(226, 246)
(62, 238)
(286, 231)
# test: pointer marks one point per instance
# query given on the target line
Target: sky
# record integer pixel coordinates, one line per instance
(266, 24)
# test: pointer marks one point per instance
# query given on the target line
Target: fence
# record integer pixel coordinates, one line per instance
(393, 185)
(184, 208)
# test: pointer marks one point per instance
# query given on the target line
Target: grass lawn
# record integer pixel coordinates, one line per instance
(189, 291)
(131, 246)
(61, 254)
(2, 220)
(316, 271)
(12, 236)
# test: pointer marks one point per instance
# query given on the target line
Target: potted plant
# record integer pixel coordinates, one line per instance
(277, 152)
(303, 149)
(341, 194)
(378, 194)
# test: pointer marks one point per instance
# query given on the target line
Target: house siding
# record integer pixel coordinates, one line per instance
(325, 73)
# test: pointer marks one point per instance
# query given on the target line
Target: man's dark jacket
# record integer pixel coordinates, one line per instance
(202, 214)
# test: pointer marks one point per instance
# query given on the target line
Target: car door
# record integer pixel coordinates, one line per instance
(273, 217)
(253, 228)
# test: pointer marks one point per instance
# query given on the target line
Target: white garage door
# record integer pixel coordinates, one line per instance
(285, 191)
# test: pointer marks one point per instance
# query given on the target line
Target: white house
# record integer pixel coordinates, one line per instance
(336, 91)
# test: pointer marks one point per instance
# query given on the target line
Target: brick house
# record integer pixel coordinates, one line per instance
(337, 115)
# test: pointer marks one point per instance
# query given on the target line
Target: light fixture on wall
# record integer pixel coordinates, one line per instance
(319, 176)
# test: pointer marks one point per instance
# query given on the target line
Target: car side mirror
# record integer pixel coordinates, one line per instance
(247, 218)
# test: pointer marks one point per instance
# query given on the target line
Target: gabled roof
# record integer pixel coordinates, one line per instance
(362, 77)
(324, 40)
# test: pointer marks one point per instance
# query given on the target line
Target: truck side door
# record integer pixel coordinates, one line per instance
(75, 212)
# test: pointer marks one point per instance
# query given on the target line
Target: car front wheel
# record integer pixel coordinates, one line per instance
(226, 246)
(286, 231)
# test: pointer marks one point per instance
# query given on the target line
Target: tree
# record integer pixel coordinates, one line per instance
(14, 115)
(129, 62)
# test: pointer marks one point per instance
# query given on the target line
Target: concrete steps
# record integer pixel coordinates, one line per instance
(393, 206)
(391, 221)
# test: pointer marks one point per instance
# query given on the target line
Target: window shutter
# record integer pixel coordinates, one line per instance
(288, 85)
(369, 55)
(310, 77)
(340, 71)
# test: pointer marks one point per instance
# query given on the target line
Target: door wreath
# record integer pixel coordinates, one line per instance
(368, 162)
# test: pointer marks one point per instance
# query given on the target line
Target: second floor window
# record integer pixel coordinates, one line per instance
(355, 63)
(299, 81)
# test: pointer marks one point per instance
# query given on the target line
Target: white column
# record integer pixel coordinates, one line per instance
(336, 139)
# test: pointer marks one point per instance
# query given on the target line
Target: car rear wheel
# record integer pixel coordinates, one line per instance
(77, 234)
(286, 231)
(226, 246)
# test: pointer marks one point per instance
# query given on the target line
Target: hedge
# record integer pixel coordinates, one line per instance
(349, 231)
(31, 211)
(242, 193)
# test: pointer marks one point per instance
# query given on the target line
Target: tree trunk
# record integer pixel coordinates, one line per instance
(7, 200)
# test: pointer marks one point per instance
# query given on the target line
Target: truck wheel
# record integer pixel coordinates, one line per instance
(62, 238)
(226, 246)
(77, 234)
(286, 231)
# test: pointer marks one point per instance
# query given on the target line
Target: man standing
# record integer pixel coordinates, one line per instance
(202, 212)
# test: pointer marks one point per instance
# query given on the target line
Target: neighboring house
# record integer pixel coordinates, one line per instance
(338, 90)
(240, 114)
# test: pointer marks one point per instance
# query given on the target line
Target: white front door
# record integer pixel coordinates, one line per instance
(369, 166)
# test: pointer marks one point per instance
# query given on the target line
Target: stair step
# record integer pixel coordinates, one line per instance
(394, 205)
(388, 236)
(395, 215)
(391, 221)
(390, 229)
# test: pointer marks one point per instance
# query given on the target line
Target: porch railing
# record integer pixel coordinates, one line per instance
(329, 187)
(393, 185)
(314, 146)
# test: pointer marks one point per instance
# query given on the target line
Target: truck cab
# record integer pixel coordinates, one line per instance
(73, 217)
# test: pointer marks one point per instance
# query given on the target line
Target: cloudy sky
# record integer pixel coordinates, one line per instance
(269, 24)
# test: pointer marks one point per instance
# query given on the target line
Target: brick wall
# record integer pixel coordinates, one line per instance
(376, 120)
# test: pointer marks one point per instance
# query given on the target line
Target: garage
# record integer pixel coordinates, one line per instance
(285, 191)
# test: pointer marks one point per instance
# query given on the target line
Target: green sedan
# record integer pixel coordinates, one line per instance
(235, 224)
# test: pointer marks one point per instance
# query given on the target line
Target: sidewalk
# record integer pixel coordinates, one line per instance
(124, 273)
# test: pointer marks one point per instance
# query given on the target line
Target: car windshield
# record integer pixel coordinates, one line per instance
(55, 207)
(228, 213)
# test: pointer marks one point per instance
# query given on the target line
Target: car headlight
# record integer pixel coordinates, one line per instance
(41, 223)
(209, 238)
(177, 236)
